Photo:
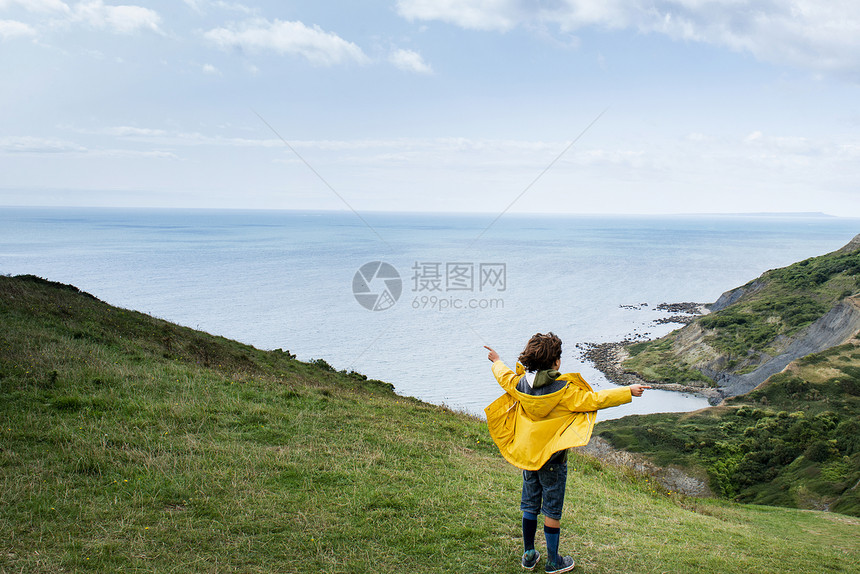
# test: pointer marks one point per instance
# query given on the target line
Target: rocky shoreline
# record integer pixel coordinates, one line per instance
(608, 357)
(690, 310)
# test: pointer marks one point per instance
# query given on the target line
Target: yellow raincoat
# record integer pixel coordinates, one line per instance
(529, 429)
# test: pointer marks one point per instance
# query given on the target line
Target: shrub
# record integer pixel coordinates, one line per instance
(820, 450)
(322, 364)
(750, 470)
(813, 359)
(848, 437)
(851, 371)
(721, 472)
(851, 387)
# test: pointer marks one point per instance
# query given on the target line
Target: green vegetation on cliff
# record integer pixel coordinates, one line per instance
(656, 361)
(129, 444)
(751, 324)
(794, 441)
(783, 301)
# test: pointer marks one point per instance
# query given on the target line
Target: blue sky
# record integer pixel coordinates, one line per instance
(433, 105)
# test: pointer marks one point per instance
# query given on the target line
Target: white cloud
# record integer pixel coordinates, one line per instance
(474, 14)
(783, 145)
(688, 161)
(128, 153)
(14, 29)
(36, 5)
(821, 36)
(38, 145)
(196, 5)
(172, 138)
(234, 6)
(454, 145)
(123, 19)
(211, 70)
(127, 131)
(410, 61)
(312, 43)
(200, 6)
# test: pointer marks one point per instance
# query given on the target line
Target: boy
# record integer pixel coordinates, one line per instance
(540, 416)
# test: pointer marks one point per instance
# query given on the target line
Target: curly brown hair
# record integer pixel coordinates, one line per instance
(541, 352)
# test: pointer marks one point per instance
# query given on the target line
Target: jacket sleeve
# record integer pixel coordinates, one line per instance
(580, 400)
(505, 376)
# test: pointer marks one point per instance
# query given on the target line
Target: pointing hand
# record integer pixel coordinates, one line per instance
(493, 356)
(637, 390)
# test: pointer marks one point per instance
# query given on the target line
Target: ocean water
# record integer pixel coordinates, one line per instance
(442, 285)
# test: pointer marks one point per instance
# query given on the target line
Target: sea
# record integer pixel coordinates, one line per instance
(413, 298)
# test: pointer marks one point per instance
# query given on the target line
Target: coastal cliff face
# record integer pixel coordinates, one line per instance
(834, 328)
(756, 330)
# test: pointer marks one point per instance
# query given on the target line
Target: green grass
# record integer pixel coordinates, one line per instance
(657, 362)
(128, 444)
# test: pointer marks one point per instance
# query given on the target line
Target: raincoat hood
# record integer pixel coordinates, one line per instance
(540, 379)
(539, 406)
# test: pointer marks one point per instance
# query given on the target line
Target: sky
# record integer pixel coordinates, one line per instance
(549, 106)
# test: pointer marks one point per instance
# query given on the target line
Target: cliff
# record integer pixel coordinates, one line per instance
(756, 330)
(834, 328)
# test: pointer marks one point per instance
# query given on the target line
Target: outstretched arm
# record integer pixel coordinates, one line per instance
(505, 377)
(578, 399)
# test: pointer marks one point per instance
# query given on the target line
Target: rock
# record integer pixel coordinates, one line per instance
(733, 295)
(682, 319)
(686, 307)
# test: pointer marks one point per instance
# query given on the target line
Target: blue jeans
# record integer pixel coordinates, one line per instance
(543, 490)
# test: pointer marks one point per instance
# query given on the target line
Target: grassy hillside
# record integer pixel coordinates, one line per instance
(757, 322)
(128, 444)
(794, 441)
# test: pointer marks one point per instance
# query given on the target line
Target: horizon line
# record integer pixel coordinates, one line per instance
(807, 214)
